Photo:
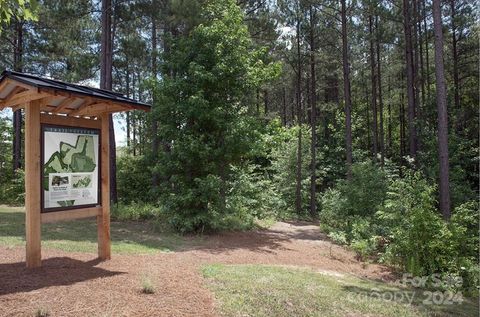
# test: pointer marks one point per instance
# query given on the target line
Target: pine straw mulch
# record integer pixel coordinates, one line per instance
(76, 284)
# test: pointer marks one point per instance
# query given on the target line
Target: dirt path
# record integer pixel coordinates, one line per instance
(76, 284)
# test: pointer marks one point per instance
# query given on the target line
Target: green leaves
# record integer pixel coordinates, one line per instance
(201, 115)
(21, 9)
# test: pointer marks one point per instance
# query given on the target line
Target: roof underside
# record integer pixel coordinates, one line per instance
(18, 90)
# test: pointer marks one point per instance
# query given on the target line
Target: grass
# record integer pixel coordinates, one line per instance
(42, 312)
(81, 235)
(255, 290)
(147, 285)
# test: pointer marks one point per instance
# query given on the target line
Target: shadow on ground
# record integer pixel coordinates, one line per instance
(263, 240)
(127, 237)
(16, 278)
(140, 237)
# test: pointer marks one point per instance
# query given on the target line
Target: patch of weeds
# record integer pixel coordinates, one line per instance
(148, 286)
(265, 223)
(42, 312)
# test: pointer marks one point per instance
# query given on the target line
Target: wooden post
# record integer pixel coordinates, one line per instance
(103, 219)
(32, 185)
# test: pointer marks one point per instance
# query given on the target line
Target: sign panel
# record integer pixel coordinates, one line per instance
(71, 169)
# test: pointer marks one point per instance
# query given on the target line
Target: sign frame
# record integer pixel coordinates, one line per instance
(43, 209)
(34, 216)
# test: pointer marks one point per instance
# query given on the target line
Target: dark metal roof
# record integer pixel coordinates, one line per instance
(46, 83)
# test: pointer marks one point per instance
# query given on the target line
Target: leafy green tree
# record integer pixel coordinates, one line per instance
(202, 111)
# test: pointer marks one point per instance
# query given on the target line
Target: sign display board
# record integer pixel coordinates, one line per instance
(70, 168)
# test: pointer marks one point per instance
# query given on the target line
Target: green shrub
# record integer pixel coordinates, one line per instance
(284, 166)
(134, 179)
(135, 211)
(333, 215)
(12, 191)
(362, 248)
(421, 242)
(350, 206)
(253, 192)
(338, 237)
(366, 191)
(464, 226)
(407, 231)
(360, 228)
(419, 236)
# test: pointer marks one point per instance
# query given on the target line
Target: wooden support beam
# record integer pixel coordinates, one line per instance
(7, 81)
(19, 83)
(64, 104)
(103, 220)
(4, 84)
(43, 103)
(23, 97)
(81, 108)
(14, 91)
(70, 214)
(98, 109)
(32, 185)
(70, 121)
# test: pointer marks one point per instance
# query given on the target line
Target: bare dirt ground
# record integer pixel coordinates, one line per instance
(77, 284)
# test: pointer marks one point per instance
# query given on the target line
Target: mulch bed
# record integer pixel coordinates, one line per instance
(76, 284)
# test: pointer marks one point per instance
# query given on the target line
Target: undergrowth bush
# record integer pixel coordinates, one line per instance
(133, 178)
(135, 211)
(419, 236)
(284, 166)
(12, 191)
(397, 222)
(365, 191)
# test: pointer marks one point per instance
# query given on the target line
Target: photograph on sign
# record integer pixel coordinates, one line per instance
(70, 163)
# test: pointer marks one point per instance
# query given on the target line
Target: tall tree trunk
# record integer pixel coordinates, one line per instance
(412, 134)
(223, 178)
(284, 106)
(456, 83)
(313, 119)
(258, 102)
(421, 54)
(441, 93)
(373, 78)
(389, 128)
(155, 138)
(402, 130)
(416, 77)
(265, 102)
(367, 115)
(17, 115)
(106, 83)
(427, 59)
(134, 118)
(389, 132)
(128, 123)
(380, 97)
(298, 189)
(347, 91)
(292, 108)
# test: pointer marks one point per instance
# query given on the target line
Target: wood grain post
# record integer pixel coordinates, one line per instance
(103, 219)
(32, 185)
